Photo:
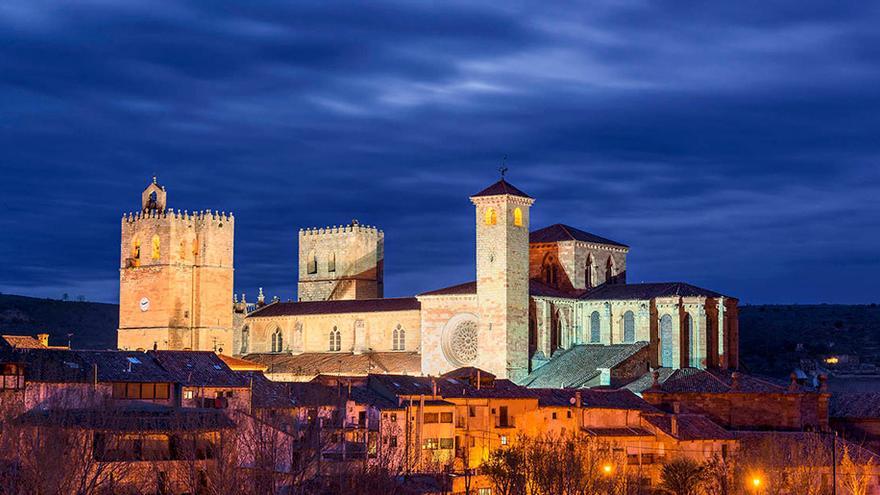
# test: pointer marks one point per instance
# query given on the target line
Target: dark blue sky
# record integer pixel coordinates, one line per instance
(735, 146)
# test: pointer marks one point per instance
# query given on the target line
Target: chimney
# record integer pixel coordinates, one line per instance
(655, 383)
(44, 339)
(577, 399)
(434, 388)
(673, 422)
(478, 378)
(823, 383)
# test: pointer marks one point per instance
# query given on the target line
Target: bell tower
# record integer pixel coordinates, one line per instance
(502, 224)
(175, 277)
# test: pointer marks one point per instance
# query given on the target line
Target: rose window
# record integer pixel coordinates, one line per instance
(463, 342)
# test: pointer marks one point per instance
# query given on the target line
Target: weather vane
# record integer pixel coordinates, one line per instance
(503, 167)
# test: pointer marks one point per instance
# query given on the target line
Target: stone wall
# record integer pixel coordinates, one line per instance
(175, 282)
(359, 332)
(572, 257)
(341, 262)
(439, 315)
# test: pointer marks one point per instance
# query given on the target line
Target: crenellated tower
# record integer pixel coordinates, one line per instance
(341, 262)
(175, 277)
(502, 220)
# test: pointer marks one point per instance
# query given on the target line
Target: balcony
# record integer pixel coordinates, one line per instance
(505, 422)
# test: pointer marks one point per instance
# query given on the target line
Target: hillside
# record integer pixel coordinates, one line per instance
(770, 334)
(93, 325)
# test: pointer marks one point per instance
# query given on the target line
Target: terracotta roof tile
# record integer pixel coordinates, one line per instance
(317, 363)
(198, 368)
(499, 188)
(342, 306)
(646, 291)
(577, 366)
(454, 290)
(559, 232)
(690, 427)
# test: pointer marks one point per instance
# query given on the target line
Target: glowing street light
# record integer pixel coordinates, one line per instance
(756, 482)
(607, 469)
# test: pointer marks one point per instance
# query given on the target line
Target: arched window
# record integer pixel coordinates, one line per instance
(589, 273)
(335, 340)
(195, 247)
(312, 263)
(155, 247)
(491, 216)
(517, 217)
(555, 331)
(595, 333)
(609, 270)
(550, 271)
(136, 249)
(398, 339)
(277, 341)
(245, 340)
(331, 263)
(666, 341)
(629, 327)
(693, 341)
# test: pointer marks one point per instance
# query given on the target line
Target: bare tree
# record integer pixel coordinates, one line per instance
(683, 476)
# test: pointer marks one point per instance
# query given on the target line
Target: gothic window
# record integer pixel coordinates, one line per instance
(155, 244)
(463, 342)
(136, 249)
(555, 331)
(277, 341)
(312, 263)
(195, 247)
(517, 217)
(666, 341)
(245, 340)
(595, 334)
(629, 327)
(335, 340)
(693, 341)
(491, 216)
(609, 270)
(398, 339)
(589, 273)
(550, 271)
(331, 263)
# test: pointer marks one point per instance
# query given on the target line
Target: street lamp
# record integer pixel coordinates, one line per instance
(607, 469)
(755, 481)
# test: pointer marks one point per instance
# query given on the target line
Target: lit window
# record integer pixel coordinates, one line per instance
(277, 341)
(491, 216)
(517, 217)
(187, 394)
(503, 439)
(136, 249)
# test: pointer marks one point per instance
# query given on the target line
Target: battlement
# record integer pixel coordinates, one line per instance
(185, 215)
(341, 229)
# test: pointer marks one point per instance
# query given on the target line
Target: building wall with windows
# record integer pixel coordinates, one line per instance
(341, 262)
(175, 277)
(336, 332)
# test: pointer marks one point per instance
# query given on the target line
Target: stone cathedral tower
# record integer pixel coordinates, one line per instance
(341, 262)
(502, 220)
(175, 277)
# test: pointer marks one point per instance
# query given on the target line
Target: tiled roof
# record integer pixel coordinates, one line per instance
(690, 427)
(333, 307)
(447, 386)
(499, 188)
(617, 432)
(198, 369)
(536, 288)
(315, 394)
(645, 381)
(132, 418)
(266, 393)
(238, 364)
(855, 405)
(22, 342)
(317, 363)
(693, 380)
(577, 366)
(559, 232)
(66, 366)
(593, 398)
(646, 291)
(454, 290)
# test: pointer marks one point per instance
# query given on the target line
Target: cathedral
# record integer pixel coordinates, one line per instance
(547, 308)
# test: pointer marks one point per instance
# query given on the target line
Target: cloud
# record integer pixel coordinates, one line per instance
(730, 145)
